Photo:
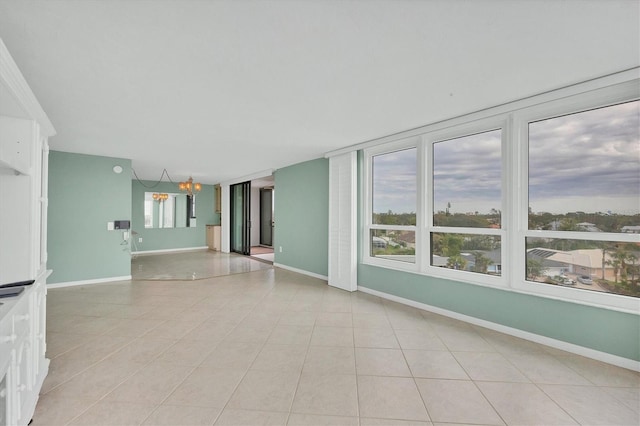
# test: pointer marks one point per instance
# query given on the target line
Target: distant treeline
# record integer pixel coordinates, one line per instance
(540, 221)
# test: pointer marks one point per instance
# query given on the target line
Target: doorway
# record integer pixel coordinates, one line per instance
(266, 217)
(240, 224)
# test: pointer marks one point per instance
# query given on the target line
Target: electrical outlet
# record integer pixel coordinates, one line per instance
(110, 226)
(140, 239)
(280, 249)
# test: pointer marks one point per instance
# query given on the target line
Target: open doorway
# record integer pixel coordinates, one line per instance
(240, 241)
(262, 218)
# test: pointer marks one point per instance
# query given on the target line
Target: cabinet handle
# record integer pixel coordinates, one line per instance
(7, 339)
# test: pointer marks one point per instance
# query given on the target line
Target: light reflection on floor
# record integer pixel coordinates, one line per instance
(193, 265)
(268, 257)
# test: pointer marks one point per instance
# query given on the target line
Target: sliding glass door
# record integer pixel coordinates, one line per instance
(240, 217)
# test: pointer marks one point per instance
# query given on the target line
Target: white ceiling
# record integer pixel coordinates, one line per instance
(223, 89)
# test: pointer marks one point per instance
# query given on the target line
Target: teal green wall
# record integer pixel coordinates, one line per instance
(301, 215)
(85, 194)
(172, 238)
(603, 330)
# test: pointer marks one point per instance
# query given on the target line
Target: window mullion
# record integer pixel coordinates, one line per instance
(422, 246)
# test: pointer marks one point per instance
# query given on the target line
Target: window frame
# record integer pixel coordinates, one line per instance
(367, 258)
(513, 119)
(498, 122)
(599, 98)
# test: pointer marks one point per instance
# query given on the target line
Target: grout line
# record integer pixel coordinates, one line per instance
(270, 289)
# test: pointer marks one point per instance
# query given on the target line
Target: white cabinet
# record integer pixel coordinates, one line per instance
(16, 135)
(24, 153)
(23, 366)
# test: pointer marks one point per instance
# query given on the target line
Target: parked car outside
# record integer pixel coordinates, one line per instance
(585, 279)
(564, 280)
(377, 242)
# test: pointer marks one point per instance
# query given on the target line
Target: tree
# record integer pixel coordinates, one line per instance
(482, 262)
(615, 264)
(456, 262)
(568, 224)
(534, 269)
(623, 262)
(452, 244)
(606, 248)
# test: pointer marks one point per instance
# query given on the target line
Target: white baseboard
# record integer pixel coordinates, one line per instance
(558, 344)
(88, 282)
(173, 250)
(301, 271)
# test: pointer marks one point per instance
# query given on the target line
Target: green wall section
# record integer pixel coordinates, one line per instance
(302, 216)
(85, 194)
(604, 330)
(171, 238)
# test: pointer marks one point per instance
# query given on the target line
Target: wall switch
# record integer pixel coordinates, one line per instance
(125, 235)
(140, 239)
(110, 226)
(280, 249)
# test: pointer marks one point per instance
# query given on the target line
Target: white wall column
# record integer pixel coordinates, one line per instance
(225, 221)
(343, 236)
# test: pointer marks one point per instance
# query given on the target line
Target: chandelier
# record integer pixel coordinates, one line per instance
(160, 197)
(190, 187)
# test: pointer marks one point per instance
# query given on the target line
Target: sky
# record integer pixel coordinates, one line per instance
(394, 182)
(467, 173)
(588, 162)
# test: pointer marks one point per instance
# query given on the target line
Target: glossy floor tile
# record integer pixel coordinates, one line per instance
(272, 347)
(194, 265)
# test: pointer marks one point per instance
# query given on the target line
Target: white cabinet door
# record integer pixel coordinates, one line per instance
(343, 221)
(16, 140)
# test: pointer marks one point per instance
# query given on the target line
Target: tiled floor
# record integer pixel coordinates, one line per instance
(272, 347)
(193, 265)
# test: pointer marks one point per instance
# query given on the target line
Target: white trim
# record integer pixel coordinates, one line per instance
(301, 271)
(16, 84)
(246, 178)
(89, 282)
(536, 338)
(550, 95)
(225, 211)
(173, 250)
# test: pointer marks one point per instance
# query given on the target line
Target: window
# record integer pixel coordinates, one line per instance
(392, 220)
(467, 181)
(540, 196)
(467, 193)
(584, 181)
(583, 170)
(467, 252)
